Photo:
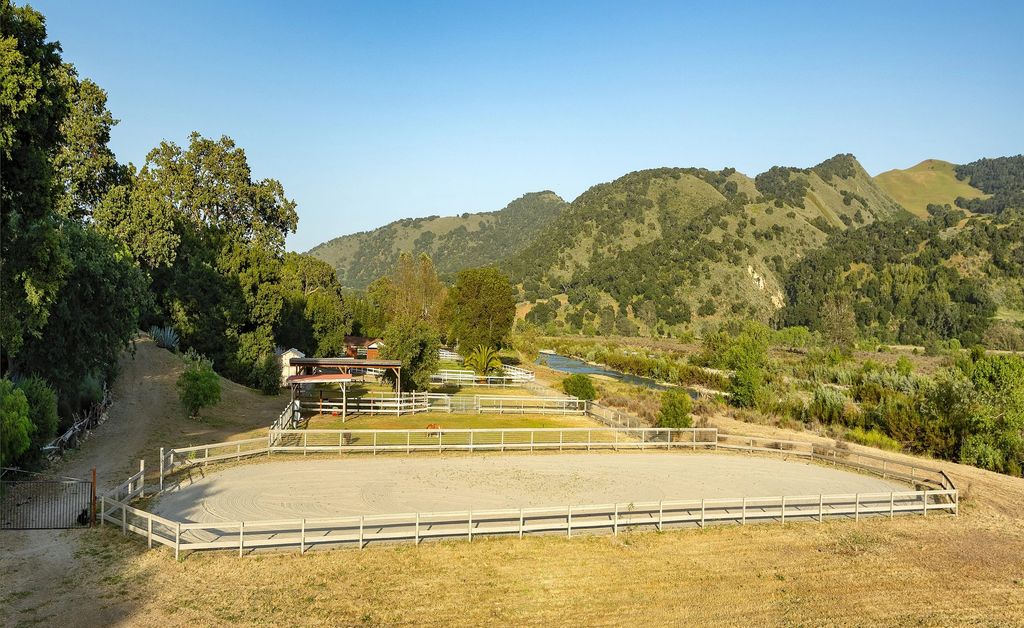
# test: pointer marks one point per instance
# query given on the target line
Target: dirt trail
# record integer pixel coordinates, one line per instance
(50, 574)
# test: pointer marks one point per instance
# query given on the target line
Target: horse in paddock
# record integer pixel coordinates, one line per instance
(434, 429)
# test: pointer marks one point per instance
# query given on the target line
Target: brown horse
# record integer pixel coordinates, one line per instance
(434, 430)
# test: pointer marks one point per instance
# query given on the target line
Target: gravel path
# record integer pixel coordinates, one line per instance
(287, 488)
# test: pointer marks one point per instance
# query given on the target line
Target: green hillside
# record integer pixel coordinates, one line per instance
(930, 182)
(676, 246)
(453, 242)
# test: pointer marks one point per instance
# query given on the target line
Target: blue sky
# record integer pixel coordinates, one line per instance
(369, 113)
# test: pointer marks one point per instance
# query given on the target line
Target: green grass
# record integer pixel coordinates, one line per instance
(931, 181)
(451, 421)
(872, 438)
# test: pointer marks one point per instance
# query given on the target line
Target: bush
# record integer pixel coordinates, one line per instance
(198, 385)
(872, 438)
(267, 376)
(579, 385)
(15, 425)
(828, 405)
(42, 412)
(676, 405)
(744, 386)
(165, 337)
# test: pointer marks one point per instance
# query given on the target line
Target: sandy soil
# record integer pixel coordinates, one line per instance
(356, 486)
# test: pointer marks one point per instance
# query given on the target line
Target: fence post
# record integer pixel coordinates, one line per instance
(305, 442)
(470, 531)
(520, 523)
(270, 441)
(568, 521)
(417, 538)
(856, 506)
(503, 440)
(589, 434)
(241, 537)
(161, 469)
(177, 539)
(956, 503)
(615, 521)
(560, 434)
(531, 440)
(702, 513)
(892, 501)
(103, 510)
(361, 520)
(375, 443)
(142, 478)
(149, 531)
(408, 442)
(124, 518)
(471, 432)
(302, 536)
(743, 515)
(924, 502)
(661, 515)
(783, 509)
(694, 434)
(440, 439)
(821, 508)
(615, 445)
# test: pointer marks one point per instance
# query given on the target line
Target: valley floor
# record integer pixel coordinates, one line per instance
(912, 571)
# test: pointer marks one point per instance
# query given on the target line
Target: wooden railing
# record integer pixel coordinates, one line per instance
(510, 439)
(361, 530)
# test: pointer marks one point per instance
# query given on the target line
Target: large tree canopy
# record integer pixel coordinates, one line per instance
(33, 102)
(481, 307)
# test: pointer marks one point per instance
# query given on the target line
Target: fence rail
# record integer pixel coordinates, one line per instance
(512, 376)
(361, 530)
(414, 403)
(509, 439)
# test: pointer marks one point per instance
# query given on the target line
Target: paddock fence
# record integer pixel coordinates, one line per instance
(359, 531)
(419, 402)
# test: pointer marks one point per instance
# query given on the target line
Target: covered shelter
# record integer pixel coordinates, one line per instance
(318, 366)
(296, 381)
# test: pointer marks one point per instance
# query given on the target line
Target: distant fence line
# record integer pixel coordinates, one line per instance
(418, 402)
(440, 440)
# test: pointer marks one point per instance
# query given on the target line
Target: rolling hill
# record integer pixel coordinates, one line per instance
(932, 181)
(453, 242)
(668, 246)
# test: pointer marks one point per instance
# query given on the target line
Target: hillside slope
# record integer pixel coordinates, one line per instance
(453, 242)
(673, 245)
(932, 181)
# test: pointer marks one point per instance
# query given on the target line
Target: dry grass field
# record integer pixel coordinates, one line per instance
(916, 571)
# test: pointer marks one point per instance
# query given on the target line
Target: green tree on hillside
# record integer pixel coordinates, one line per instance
(416, 343)
(482, 307)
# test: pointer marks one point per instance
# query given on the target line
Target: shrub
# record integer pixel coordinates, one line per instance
(165, 337)
(676, 405)
(828, 404)
(267, 376)
(42, 412)
(745, 385)
(872, 438)
(15, 425)
(198, 385)
(579, 385)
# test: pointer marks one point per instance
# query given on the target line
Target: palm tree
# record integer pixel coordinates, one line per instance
(483, 360)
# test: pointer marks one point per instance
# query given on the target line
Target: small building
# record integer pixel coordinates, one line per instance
(362, 347)
(286, 370)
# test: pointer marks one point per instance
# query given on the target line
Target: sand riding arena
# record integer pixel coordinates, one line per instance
(312, 489)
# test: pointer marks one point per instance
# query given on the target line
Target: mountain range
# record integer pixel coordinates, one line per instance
(667, 247)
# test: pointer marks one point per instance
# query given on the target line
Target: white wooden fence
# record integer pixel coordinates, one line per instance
(511, 376)
(360, 530)
(509, 439)
(417, 402)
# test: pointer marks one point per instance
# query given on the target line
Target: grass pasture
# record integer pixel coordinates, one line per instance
(931, 181)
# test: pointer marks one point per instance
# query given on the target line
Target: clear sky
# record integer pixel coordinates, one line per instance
(369, 113)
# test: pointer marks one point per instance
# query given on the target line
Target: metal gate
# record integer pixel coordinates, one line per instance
(38, 502)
